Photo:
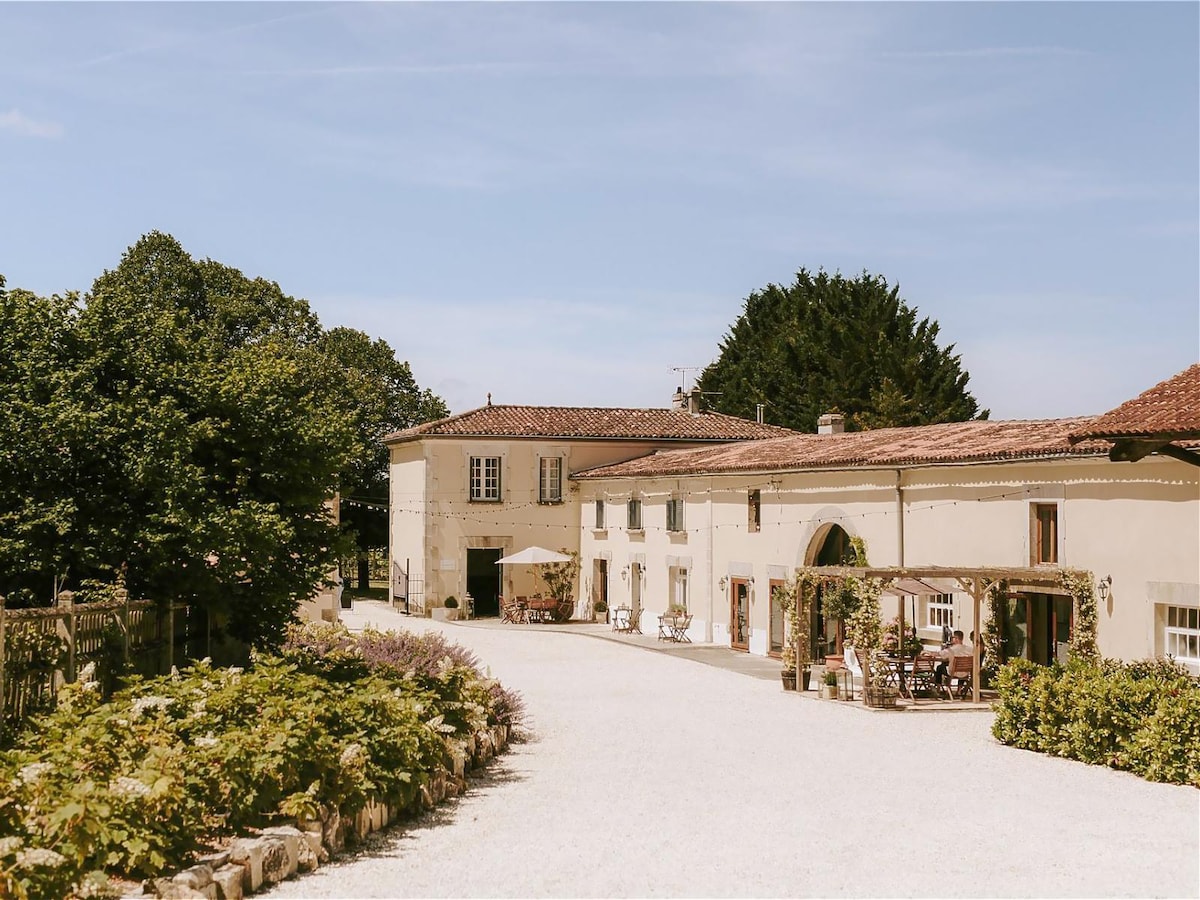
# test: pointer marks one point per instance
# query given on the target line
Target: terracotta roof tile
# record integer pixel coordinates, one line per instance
(1169, 409)
(955, 442)
(591, 422)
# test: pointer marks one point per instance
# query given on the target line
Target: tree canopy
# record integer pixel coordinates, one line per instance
(181, 428)
(827, 343)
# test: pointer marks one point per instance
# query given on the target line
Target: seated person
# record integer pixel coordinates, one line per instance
(956, 648)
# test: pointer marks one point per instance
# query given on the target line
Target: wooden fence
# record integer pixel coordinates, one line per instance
(43, 648)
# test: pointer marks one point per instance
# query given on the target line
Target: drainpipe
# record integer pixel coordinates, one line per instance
(708, 624)
(899, 520)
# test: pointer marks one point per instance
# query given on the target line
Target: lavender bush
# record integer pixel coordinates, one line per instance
(428, 660)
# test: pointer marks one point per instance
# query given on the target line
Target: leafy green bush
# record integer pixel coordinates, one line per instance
(139, 783)
(1143, 717)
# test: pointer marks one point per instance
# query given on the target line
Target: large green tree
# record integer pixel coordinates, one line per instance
(181, 427)
(381, 396)
(829, 343)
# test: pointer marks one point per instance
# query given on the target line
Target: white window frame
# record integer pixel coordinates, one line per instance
(485, 479)
(633, 514)
(550, 479)
(1177, 636)
(675, 524)
(943, 606)
(679, 586)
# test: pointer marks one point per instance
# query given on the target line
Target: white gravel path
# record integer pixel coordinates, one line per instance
(648, 775)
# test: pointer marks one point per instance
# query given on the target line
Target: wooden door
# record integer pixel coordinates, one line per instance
(739, 614)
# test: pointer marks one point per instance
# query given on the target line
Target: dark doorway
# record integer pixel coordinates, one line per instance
(1036, 627)
(483, 581)
(824, 636)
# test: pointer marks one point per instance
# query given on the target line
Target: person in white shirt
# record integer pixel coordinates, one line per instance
(956, 648)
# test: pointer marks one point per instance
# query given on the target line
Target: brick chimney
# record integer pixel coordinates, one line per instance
(831, 423)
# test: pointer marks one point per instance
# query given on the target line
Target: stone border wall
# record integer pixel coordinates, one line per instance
(250, 863)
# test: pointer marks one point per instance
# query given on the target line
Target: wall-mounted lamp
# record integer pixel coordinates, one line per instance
(1103, 587)
(721, 584)
(625, 574)
(750, 581)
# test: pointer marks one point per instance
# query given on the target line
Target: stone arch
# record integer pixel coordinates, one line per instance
(825, 539)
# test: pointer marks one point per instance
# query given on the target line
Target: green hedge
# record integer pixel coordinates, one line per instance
(142, 782)
(1143, 717)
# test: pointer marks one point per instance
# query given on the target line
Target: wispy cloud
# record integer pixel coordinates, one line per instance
(22, 125)
(985, 53)
(477, 68)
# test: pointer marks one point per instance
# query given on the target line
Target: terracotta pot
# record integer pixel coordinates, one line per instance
(835, 662)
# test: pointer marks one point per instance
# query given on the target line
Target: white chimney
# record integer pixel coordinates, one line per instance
(694, 402)
(831, 423)
(679, 399)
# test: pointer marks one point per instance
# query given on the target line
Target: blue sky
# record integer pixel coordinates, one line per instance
(558, 203)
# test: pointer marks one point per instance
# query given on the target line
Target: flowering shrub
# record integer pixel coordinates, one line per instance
(424, 659)
(1143, 717)
(140, 782)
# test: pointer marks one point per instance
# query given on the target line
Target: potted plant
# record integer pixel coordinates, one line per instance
(788, 672)
(600, 611)
(448, 611)
(830, 690)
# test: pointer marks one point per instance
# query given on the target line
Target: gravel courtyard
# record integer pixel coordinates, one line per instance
(649, 775)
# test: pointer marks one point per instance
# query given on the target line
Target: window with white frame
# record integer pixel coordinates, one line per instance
(599, 515)
(634, 513)
(939, 611)
(675, 514)
(550, 479)
(679, 586)
(1181, 635)
(485, 478)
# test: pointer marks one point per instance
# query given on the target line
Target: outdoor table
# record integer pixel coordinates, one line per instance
(621, 619)
(674, 628)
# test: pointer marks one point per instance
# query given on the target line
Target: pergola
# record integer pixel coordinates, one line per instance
(973, 580)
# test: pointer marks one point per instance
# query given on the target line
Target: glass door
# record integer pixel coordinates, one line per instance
(739, 614)
(635, 587)
(777, 632)
(1014, 627)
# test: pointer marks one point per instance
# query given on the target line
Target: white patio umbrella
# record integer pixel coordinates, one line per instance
(533, 556)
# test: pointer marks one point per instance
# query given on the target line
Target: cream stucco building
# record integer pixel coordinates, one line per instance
(679, 507)
(986, 494)
(471, 488)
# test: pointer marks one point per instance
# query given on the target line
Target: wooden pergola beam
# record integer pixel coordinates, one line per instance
(975, 580)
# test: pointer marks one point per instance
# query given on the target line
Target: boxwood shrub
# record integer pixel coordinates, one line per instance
(141, 782)
(1143, 717)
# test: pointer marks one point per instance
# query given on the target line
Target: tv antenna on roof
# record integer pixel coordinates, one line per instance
(684, 370)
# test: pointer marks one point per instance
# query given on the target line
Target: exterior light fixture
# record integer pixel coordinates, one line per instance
(625, 574)
(721, 584)
(1104, 587)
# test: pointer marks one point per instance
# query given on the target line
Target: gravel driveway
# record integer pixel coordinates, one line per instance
(648, 775)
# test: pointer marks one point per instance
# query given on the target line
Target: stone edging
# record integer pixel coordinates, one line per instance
(251, 863)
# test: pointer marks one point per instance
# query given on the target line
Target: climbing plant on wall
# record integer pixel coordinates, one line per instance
(1080, 585)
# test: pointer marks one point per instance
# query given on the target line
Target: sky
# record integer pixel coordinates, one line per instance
(563, 203)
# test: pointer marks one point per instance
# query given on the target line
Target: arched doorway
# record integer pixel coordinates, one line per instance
(830, 547)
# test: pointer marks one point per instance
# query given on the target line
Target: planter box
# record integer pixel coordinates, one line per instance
(789, 680)
(441, 614)
(881, 698)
